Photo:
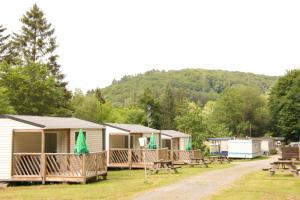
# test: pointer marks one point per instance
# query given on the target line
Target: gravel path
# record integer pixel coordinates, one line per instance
(204, 184)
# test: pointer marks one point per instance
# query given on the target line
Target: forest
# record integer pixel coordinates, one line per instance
(203, 103)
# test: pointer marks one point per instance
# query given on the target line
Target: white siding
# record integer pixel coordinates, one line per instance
(244, 148)
(93, 139)
(6, 127)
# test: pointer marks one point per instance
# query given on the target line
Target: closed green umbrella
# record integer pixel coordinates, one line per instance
(188, 145)
(152, 144)
(81, 146)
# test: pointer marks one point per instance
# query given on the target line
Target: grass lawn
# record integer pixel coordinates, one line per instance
(260, 186)
(121, 184)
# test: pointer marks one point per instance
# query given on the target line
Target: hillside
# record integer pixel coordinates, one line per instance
(199, 85)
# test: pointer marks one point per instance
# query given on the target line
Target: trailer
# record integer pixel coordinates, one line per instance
(244, 148)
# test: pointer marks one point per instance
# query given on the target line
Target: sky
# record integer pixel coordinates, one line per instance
(100, 41)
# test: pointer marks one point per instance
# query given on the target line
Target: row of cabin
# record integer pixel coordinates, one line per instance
(243, 148)
(35, 135)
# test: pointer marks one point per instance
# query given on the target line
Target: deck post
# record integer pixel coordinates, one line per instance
(43, 158)
(130, 158)
(83, 157)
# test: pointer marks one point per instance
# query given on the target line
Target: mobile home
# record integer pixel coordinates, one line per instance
(35, 148)
(267, 145)
(123, 146)
(219, 146)
(244, 148)
(175, 140)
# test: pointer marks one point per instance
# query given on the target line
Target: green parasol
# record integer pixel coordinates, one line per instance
(81, 146)
(152, 144)
(188, 145)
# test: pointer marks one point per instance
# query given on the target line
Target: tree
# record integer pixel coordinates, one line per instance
(6, 52)
(35, 41)
(148, 103)
(36, 44)
(167, 106)
(238, 108)
(32, 90)
(5, 106)
(86, 107)
(284, 104)
(98, 94)
(190, 121)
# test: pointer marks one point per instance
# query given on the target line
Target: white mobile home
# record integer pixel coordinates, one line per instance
(32, 147)
(244, 148)
(127, 135)
(123, 147)
(174, 140)
(267, 145)
(219, 145)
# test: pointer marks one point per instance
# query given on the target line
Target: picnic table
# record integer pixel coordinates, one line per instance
(218, 159)
(198, 161)
(163, 165)
(283, 165)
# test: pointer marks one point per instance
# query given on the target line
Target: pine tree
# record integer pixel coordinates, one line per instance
(36, 44)
(167, 106)
(3, 43)
(36, 41)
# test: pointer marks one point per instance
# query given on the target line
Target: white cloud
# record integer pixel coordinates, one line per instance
(103, 40)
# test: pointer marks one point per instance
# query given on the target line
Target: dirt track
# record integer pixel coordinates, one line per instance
(203, 185)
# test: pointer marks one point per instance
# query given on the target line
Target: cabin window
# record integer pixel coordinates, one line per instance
(77, 133)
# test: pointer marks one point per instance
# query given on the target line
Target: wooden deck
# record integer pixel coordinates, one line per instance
(133, 158)
(58, 167)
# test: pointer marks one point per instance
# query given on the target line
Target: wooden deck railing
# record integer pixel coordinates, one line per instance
(184, 156)
(134, 157)
(58, 167)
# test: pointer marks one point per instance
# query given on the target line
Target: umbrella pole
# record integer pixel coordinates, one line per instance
(145, 173)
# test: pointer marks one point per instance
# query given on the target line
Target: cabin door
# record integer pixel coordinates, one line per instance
(51, 142)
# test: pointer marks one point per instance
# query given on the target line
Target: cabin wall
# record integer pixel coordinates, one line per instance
(117, 141)
(267, 145)
(93, 139)
(110, 130)
(6, 129)
(175, 144)
(62, 142)
(27, 142)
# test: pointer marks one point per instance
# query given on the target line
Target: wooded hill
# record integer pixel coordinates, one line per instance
(199, 85)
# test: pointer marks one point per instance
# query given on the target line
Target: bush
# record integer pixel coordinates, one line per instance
(273, 151)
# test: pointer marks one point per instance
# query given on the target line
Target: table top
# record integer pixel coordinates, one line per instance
(283, 162)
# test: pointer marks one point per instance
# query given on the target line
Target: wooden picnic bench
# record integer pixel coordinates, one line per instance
(218, 159)
(283, 165)
(163, 165)
(199, 162)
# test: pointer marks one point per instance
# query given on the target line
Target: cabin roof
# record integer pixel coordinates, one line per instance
(132, 128)
(174, 134)
(54, 122)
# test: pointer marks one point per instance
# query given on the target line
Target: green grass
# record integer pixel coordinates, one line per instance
(260, 186)
(121, 184)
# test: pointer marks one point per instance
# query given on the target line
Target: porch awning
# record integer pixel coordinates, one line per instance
(164, 137)
(126, 133)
